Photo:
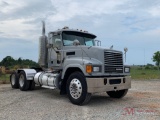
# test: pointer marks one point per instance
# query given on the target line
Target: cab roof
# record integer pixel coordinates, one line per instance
(71, 30)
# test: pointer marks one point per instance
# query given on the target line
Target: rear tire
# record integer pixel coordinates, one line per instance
(77, 89)
(23, 82)
(117, 94)
(14, 80)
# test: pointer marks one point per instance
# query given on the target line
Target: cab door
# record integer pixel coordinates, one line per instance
(54, 52)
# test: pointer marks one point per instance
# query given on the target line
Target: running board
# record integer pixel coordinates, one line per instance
(49, 87)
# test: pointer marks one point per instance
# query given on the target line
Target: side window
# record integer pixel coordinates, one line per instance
(57, 41)
(89, 43)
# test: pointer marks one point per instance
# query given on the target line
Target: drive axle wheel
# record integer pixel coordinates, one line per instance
(23, 82)
(14, 80)
(117, 94)
(77, 89)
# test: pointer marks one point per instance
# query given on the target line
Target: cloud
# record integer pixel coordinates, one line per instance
(68, 9)
(16, 28)
(122, 23)
(3, 4)
(10, 6)
(24, 9)
(21, 19)
(155, 11)
(1, 32)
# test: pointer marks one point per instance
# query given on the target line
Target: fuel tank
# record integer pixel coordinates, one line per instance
(47, 79)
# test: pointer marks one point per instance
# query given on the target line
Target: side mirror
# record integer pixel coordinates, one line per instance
(97, 42)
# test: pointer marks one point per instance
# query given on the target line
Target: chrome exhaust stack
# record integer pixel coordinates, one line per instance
(43, 51)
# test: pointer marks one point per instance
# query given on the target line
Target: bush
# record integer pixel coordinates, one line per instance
(139, 68)
(8, 71)
(147, 67)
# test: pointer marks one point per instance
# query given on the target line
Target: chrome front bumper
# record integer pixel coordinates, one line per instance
(96, 85)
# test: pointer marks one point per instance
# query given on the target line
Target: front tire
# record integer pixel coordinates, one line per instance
(14, 80)
(77, 89)
(117, 94)
(23, 82)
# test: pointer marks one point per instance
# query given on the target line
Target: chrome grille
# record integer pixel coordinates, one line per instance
(113, 62)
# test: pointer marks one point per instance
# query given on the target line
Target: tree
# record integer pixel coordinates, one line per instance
(156, 58)
(8, 61)
(19, 60)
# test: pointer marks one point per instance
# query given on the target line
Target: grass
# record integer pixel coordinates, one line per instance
(145, 74)
(4, 78)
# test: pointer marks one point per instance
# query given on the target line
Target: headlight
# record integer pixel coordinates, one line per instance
(96, 69)
(126, 69)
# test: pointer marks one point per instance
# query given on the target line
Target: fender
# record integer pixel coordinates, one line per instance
(30, 73)
(72, 65)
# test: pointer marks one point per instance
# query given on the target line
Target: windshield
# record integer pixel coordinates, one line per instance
(83, 38)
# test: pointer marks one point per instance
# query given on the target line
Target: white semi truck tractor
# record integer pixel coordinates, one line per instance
(72, 62)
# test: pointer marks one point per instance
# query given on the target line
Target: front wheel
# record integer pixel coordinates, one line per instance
(77, 89)
(118, 93)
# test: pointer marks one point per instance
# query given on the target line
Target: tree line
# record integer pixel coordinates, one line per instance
(10, 62)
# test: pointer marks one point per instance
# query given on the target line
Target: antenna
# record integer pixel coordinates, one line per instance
(111, 47)
(43, 28)
(125, 51)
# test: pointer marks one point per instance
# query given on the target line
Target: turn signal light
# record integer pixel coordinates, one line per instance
(88, 68)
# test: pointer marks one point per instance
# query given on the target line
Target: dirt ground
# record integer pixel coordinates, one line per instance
(141, 103)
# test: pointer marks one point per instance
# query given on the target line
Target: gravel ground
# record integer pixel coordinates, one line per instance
(141, 103)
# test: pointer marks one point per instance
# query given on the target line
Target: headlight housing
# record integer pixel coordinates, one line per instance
(96, 69)
(127, 69)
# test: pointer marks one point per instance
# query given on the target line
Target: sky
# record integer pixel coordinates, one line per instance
(134, 24)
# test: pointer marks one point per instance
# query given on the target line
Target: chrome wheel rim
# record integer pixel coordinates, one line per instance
(13, 79)
(75, 88)
(21, 80)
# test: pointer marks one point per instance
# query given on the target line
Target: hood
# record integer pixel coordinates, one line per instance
(94, 52)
